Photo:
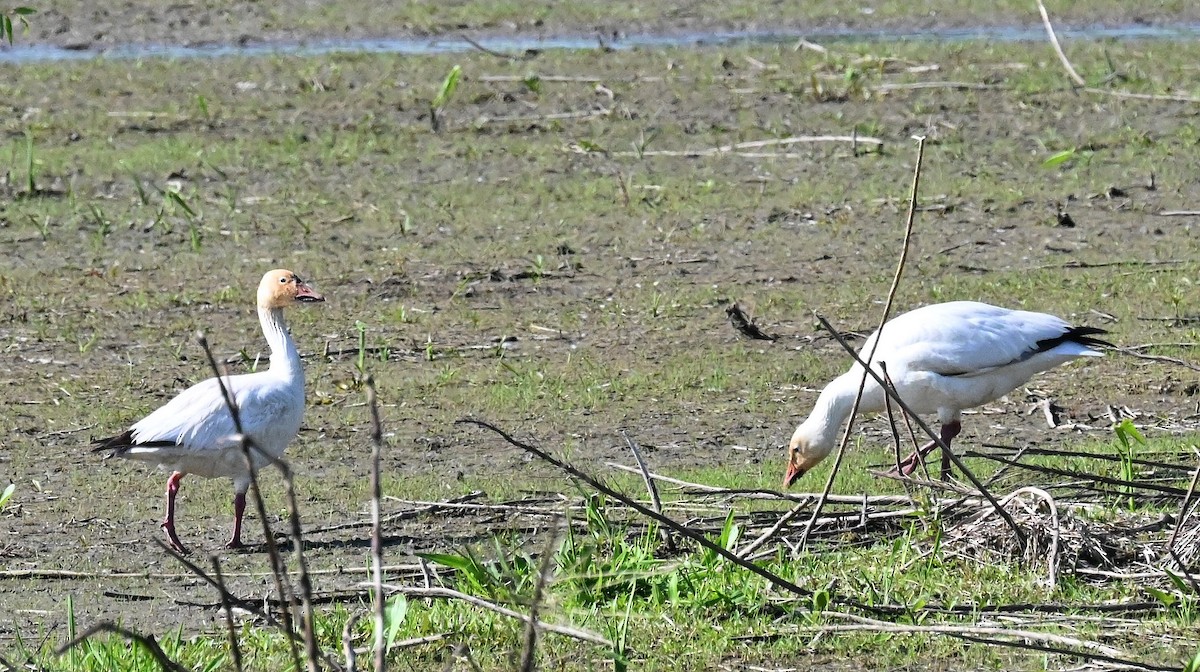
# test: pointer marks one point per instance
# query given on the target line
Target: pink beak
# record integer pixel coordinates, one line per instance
(306, 294)
(792, 474)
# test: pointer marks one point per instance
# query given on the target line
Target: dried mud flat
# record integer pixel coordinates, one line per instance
(544, 230)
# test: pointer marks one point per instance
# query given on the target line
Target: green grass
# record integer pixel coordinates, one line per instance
(611, 268)
(614, 579)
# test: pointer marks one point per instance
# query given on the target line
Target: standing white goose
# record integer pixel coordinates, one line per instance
(942, 359)
(194, 433)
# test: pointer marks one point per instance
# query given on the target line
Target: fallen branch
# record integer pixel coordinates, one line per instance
(802, 497)
(1164, 97)
(976, 633)
(683, 530)
(753, 144)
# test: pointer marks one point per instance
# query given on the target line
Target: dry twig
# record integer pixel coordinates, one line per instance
(279, 573)
(545, 565)
(1057, 47)
(376, 532)
(227, 607)
(887, 308)
(654, 498)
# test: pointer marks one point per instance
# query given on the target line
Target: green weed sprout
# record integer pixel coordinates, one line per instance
(449, 85)
(6, 22)
(1129, 437)
(360, 362)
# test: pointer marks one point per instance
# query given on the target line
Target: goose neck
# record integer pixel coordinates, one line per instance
(284, 357)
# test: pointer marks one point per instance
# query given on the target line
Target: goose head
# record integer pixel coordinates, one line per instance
(282, 288)
(805, 450)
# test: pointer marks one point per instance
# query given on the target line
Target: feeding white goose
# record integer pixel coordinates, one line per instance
(194, 433)
(942, 359)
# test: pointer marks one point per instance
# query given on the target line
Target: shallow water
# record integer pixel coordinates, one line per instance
(522, 43)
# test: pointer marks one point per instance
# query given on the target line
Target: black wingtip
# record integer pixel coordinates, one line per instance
(1080, 335)
(123, 442)
(118, 444)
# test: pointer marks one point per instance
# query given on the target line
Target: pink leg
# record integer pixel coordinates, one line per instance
(239, 509)
(949, 431)
(909, 464)
(168, 525)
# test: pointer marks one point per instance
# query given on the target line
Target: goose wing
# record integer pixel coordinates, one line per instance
(966, 338)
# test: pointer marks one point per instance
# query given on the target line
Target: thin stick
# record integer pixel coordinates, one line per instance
(278, 569)
(1104, 653)
(961, 86)
(415, 641)
(889, 385)
(312, 652)
(227, 607)
(755, 493)
(348, 642)
(1057, 47)
(1159, 358)
(654, 498)
(772, 531)
(529, 649)
(1163, 97)
(146, 641)
(490, 52)
(244, 604)
(574, 633)
(887, 309)
(754, 144)
(700, 539)
(1183, 516)
(66, 574)
(887, 402)
(376, 531)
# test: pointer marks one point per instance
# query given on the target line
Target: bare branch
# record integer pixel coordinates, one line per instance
(1057, 47)
(376, 532)
(529, 649)
(227, 607)
(654, 498)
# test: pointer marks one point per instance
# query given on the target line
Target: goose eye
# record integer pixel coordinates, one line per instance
(283, 280)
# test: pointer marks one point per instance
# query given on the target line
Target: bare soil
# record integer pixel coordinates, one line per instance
(547, 283)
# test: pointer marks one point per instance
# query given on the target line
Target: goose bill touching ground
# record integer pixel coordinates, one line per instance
(942, 359)
(194, 433)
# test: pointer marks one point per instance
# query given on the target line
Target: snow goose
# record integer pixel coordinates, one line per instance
(942, 359)
(194, 433)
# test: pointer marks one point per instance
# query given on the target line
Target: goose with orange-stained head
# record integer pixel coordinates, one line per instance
(195, 433)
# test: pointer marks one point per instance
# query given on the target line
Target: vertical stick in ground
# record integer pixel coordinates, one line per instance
(887, 309)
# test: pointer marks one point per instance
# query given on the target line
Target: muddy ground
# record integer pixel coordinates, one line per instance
(540, 264)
